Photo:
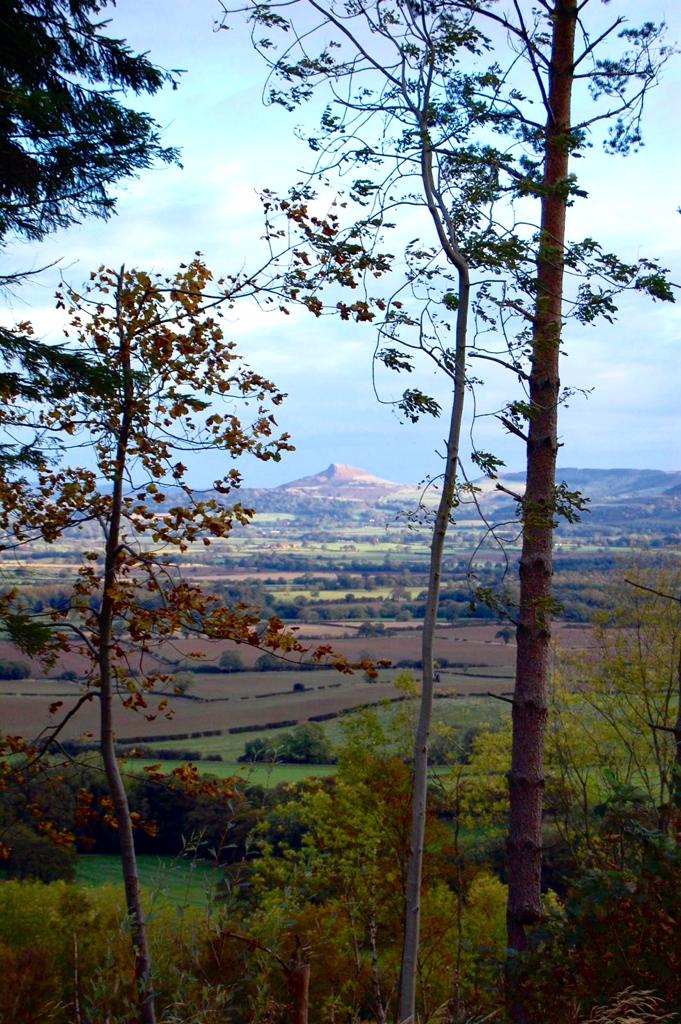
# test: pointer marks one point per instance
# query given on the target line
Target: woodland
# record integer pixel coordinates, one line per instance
(401, 833)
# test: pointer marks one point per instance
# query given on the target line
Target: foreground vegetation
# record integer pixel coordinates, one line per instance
(246, 884)
(256, 870)
(249, 880)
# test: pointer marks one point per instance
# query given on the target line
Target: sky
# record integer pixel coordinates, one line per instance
(233, 146)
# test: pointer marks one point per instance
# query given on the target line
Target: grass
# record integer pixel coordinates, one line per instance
(268, 775)
(179, 881)
(460, 673)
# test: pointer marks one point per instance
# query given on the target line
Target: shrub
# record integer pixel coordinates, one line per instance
(230, 661)
(264, 725)
(269, 663)
(29, 983)
(35, 856)
(306, 744)
(14, 669)
(619, 930)
(141, 750)
(259, 750)
(46, 929)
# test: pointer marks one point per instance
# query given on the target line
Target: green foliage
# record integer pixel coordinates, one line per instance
(34, 372)
(618, 931)
(330, 873)
(73, 944)
(484, 799)
(444, 746)
(487, 463)
(569, 505)
(270, 663)
(368, 628)
(36, 856)
(260, 749)
(306, 744)
(66, 140)
(415, 404)
(615, 730)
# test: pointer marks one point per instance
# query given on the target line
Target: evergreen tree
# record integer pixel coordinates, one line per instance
(65, 137)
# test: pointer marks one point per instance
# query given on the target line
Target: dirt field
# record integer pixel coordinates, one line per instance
(223, 705)
(470, 644)
(478, 663)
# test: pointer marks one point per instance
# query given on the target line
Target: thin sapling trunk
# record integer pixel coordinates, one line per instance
(119, 798)
(445, 230)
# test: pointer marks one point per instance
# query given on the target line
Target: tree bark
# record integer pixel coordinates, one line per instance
(119, 797)
(676, 788)
(298, 982)
(526, 777)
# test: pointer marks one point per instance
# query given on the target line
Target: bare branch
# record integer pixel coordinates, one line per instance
(502, 362)
(592, 46)
(652, 590)
(512, 429)
(531, 52)
(56, 729)
(499, 696)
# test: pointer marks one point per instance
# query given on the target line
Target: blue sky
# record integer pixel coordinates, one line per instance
(232, 146)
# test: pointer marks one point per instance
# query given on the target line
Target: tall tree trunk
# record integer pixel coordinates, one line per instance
(119, 797)
(412, 920)
(526, 778)
(676, 787)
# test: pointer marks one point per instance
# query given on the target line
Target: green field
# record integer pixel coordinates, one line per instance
(267, 775)
(460, 713)
(180, 881)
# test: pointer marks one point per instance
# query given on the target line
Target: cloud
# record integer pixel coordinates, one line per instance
(233, 147)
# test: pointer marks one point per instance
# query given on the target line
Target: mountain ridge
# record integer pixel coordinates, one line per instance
(340, 480)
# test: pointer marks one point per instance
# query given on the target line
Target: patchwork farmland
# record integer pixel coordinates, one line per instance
(230, 703)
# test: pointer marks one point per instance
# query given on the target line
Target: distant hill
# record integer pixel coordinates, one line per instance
(339, 481)
(615, 484)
